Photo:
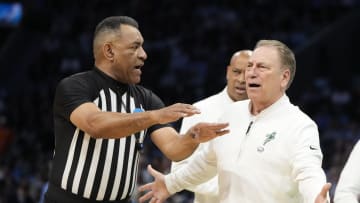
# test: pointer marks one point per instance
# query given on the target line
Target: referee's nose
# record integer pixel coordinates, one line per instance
(142, 54)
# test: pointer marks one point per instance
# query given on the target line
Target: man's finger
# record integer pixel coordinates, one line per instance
(152, 171)
(159, 201)
(214, 126)
(210, 127)
(146, 196)
(145, 187)
(325, 189)
(222, 132)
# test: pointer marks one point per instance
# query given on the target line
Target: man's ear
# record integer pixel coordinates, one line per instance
(228, 72)
(285, 78)
(108, 52)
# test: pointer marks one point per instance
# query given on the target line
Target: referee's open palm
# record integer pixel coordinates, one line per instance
(174, 112)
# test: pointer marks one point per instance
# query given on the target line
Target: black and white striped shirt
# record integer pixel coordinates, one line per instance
(102, 170)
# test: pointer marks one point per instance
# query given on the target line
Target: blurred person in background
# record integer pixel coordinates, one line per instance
(348, 187)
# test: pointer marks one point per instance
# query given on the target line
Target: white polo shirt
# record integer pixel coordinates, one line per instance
(277, 161)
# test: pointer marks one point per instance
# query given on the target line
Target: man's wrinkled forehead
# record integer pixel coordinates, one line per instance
(264, 54)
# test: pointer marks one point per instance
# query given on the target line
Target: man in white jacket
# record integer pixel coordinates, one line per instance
(348, 187)
(211, 109)
(272, 153)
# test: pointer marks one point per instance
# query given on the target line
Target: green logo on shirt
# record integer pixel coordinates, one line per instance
(268, 138)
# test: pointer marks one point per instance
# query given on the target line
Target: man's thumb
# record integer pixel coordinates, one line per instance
(152, 171)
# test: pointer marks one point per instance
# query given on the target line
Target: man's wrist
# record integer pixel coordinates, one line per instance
(191, 138)
(153, 117)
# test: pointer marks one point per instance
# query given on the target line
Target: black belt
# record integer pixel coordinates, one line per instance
(57, 195)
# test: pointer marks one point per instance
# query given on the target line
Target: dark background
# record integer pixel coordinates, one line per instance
(189, 44)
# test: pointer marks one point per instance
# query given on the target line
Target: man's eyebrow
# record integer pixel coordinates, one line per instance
(137, 42)
(262, 63)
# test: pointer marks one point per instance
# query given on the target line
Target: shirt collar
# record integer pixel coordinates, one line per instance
(226, 95)
(280, 102)
(109, 79)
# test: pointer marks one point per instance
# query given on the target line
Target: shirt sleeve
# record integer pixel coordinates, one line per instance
(306, 161)
(348, 187)
(207, 188)
(71, 93)
(200, 169)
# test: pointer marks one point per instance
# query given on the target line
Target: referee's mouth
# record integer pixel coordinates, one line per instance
(240, 89)
(139, 66)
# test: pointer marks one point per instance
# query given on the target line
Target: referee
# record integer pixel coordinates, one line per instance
(102, 117)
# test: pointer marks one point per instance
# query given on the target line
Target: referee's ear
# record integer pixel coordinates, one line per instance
(108, 52)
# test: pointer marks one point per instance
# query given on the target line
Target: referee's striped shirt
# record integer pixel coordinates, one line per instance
(100, 170)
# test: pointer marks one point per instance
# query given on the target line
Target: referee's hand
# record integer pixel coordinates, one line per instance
(173, 113)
